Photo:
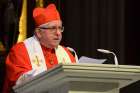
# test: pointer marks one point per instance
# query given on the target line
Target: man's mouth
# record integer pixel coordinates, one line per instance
(56, 39)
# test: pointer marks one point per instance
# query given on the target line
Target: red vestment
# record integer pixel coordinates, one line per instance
(18, 62)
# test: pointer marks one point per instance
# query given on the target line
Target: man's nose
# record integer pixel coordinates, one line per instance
(58, 32)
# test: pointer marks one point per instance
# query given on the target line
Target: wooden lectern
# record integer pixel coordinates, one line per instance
(81, 78)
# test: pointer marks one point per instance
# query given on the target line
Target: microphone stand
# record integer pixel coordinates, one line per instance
(107, 51)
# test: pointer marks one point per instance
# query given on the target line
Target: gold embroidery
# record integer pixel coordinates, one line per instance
(51, 62)
(36, 61)
(63, 61)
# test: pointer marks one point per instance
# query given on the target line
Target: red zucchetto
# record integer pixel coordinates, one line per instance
(45, 15)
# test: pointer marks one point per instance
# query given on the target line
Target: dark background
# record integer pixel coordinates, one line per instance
(89, 25)
(132, 29)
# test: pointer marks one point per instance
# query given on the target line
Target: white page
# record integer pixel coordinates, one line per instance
(85, 59)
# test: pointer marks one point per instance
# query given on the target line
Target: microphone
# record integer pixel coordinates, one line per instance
(107, 52)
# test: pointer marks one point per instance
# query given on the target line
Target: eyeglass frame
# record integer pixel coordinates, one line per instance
(53, 28)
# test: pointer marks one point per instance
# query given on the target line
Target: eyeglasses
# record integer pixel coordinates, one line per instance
(53, 28)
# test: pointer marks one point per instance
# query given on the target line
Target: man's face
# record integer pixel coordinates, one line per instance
(50, 34)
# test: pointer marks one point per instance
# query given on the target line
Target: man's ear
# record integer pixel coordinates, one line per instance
(37, 32)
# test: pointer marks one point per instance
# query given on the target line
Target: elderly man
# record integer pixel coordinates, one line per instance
(39, 52)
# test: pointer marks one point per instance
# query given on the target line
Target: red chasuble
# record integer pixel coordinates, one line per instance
(18, 62)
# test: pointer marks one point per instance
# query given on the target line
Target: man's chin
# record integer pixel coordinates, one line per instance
(55, 45)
